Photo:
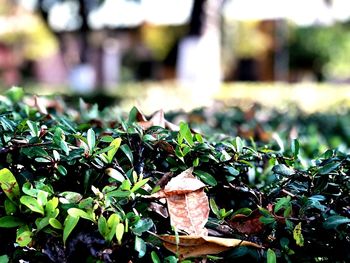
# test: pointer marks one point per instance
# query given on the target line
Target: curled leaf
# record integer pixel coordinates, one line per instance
(187, 203)
(195, 246)
(183, 183)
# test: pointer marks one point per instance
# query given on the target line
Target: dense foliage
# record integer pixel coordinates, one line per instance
(75, 185)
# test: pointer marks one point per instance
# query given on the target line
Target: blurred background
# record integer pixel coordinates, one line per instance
(179, 53)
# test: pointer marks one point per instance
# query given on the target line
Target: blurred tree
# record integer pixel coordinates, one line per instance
(322, 51)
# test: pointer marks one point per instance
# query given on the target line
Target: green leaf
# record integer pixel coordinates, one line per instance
(328, 154)
(64, 146)
(155, 258)
(142, 225)
(15, 94)
(134, 112)
(28, 189)
(288, 211)
(51, 206)
(199, 138)
(118, 194)
(76, 212)
(32, 152)
(42, 197)
(106, 138)
(206, 177)
(102, 226)
(69, 197)
(329, 168)
(283, 170)
(126, 149)
(238, 143)
(271, 256)
(4, 259)
(104, 150)
(232, 170)
(10, 221)
(267, 220)
(119, 232)
(126, 185)
(10, 207)
(115, 174)
(32, 204)
(42, 222)
(69, 224)
(34, 129)
(185, 133)
(298, 236)
(139, 184)
(55, 223)
(91, 139)
(333, 222)
(243, 211)
(59, 140)
(116, 144)
(24, 238)
(282, 203)
(214, 207)
(140, 246)
(62, 170)
(170, 259)
(9, 185)
(112, 223)
(42, 160)
(295, 147)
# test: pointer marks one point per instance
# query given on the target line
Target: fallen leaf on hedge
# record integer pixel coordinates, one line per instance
(194, 246)
(187, 203)
(165, 146)
(247, 224)
(157, 119)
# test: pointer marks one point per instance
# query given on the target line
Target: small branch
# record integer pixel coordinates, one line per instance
(288, 193)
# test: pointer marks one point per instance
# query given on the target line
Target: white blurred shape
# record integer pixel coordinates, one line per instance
(82, 78)
(167, 12)
(64, 16)
(116, 13)
(28, 4)
(302, 12)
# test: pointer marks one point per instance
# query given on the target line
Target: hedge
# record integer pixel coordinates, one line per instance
(79, 184)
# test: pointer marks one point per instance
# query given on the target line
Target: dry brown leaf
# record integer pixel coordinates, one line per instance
(157, 119)
(247, 224)
(171, 126)
(187, 203)
(194, 246)
(165, 146)
(43, 103)
(183, 183)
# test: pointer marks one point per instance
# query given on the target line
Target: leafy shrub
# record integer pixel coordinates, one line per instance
(76, 186)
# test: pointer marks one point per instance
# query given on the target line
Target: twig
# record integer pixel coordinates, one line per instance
(288, 193)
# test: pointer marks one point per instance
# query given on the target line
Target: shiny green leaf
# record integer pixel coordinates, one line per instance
(32, 204)
(10, 221)
(69, 224)
(9, 185)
